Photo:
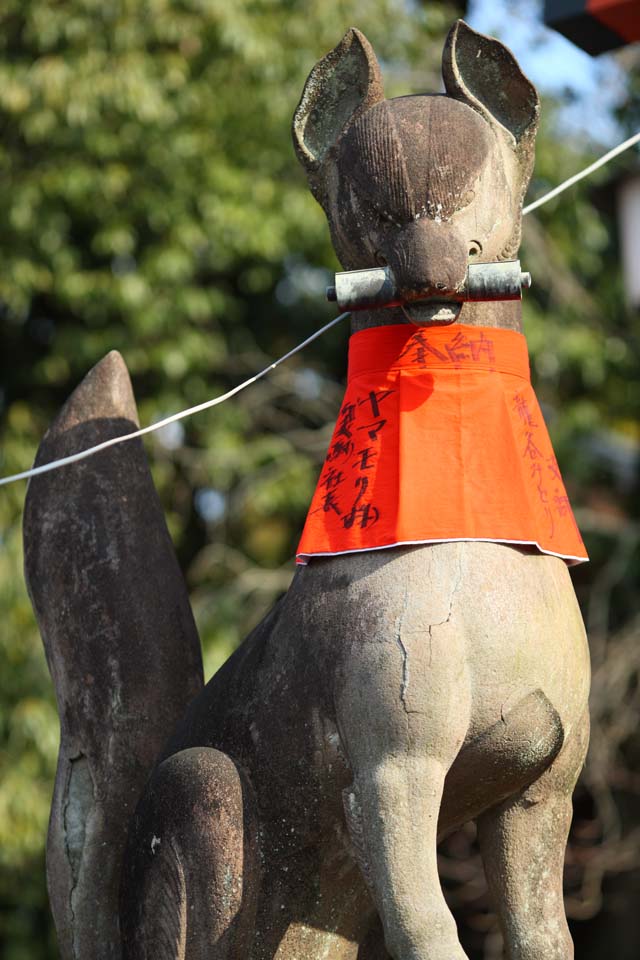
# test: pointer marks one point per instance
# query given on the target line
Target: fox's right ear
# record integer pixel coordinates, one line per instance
(340, 87)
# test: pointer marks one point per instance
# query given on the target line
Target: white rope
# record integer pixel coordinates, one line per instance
(74, 457)
(583, 173)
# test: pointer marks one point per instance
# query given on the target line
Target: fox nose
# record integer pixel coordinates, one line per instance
(429, 258)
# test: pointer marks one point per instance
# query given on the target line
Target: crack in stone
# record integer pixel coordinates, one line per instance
(441, 623)
(67, 850)
(456, 587)
(79, 797)
(404, 685)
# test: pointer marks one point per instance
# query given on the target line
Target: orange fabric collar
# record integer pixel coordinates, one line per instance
(439, 437)
(403, 347)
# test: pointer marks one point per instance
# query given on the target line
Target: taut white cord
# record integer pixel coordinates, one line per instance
(74, 457)
(583, 173)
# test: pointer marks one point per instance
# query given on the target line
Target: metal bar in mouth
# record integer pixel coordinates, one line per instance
(376, 289)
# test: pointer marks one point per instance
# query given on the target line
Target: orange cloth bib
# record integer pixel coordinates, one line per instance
(439, 437)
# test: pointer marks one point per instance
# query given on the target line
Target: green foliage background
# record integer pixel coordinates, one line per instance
(150, 201)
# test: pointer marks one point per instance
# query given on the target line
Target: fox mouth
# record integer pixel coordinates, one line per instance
(432, 312)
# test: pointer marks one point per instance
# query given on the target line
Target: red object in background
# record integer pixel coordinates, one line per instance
(595, 25)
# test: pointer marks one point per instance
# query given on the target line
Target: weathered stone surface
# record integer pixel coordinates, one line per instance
(347, 706)
(121, 646)
(193, 884)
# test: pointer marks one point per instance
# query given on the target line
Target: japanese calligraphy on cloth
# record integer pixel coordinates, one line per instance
(439, 438)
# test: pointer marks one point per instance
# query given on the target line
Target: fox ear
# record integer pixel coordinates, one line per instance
(340, 87)
(484, 74)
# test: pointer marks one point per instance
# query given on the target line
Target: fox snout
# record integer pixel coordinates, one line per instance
(428, 259)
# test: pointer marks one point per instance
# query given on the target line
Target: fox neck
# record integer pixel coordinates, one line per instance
(506, 314)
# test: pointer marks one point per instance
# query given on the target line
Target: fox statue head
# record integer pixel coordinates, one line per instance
(426, 184)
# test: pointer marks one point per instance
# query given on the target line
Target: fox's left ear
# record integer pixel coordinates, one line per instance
(484, 74)
(341, 86)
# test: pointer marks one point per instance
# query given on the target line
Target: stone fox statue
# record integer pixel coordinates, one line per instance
(291, 808)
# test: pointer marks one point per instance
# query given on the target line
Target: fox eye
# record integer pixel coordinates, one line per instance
(383, 217)
(475, 248)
